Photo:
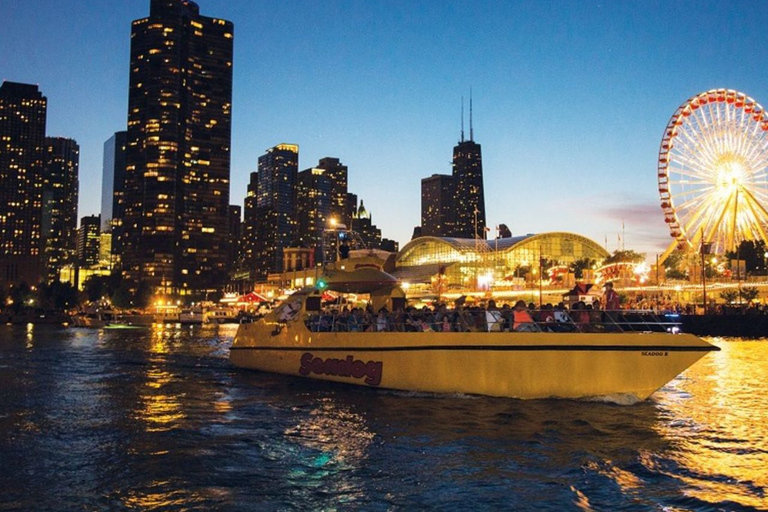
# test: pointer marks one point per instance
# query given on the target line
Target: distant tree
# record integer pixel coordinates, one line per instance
(676, 274)
(578, 266)
(122, 298)
(729, 296)
(751, 252)
(96, 287)
(504, 231)
(674, 260)
(749, 293)
(625, 256)
(56, 295)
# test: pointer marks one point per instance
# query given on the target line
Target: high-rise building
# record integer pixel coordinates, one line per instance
(113, 191)
(314, 196)
(437, 205)
(89, 241)
(178, 150)
(59, 215)
(469, 203)
(274, 216)
(248, 240)
(337, 174)
(22, 157)
(363, 227)
(235, 238)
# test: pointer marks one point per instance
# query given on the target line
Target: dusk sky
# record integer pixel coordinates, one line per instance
(570, 98)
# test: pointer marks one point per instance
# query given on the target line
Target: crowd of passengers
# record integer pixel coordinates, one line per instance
(521, 317)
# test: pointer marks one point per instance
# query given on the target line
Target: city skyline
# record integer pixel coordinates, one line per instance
(570, 99)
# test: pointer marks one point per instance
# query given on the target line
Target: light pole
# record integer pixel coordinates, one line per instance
(704, 251)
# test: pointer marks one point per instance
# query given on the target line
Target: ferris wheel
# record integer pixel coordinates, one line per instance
(713, 172)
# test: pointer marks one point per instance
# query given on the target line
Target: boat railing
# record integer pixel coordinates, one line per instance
(477, 320)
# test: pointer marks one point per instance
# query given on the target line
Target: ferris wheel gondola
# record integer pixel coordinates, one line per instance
(713, 171)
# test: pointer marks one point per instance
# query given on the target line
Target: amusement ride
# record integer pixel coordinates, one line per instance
(712, 170)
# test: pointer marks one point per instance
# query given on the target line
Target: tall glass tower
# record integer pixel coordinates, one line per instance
(274, 215)
(60, 193)
(22, 159)
(469, 205)
(178, 150)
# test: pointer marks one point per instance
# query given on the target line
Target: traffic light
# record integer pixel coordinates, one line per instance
(321, 284)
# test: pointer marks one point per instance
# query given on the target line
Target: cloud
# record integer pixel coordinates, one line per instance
(642, 225)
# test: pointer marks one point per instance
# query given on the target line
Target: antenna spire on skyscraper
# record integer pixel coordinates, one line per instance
(462, 119)
(471, 134)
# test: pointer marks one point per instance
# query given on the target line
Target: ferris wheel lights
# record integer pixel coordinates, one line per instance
(713, 159)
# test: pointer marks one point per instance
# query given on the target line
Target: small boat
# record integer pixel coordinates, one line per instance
(619, 365)
(96, 317)
(191, 316)
(221, 315)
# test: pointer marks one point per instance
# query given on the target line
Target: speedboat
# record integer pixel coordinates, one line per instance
(622, 365)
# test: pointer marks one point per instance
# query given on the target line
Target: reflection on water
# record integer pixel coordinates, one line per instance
(158, 419)
(718, 417)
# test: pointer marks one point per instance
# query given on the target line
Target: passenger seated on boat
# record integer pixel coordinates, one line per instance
(580, 317)
(355, 321)
(412, 323)
(546, 315)
(563, 322)
(506, 317)
(523, 321)
(595, 318)
(493, 317)
(368, 319)
(324, 322)
(398, 320)
(341, 320)
(445, 324)
(546, 318)
(382, 320)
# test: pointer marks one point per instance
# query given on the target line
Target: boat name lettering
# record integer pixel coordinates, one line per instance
(655, 353)
(349, 367)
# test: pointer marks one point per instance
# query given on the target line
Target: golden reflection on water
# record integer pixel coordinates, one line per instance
(30, 336)
(720, 434)
(161, 410)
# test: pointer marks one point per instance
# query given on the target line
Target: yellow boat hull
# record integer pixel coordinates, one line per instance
(621, 367)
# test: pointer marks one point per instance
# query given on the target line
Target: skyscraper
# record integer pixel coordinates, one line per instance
(235, 235)
(275, 212)
(337, 174)
(89, 241)
(178, 150)
(437, 205)
(59, 215)
(469, 202)
(22, 157)
(113, 189)
(314, 195)
(363, 226)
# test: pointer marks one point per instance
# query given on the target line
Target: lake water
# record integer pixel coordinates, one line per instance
(157, 419)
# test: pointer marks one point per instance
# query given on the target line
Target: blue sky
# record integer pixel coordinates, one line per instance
(570, 97)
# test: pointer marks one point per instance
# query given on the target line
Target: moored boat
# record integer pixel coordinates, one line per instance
(616, 365)
(221, 315)
(191, 316)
